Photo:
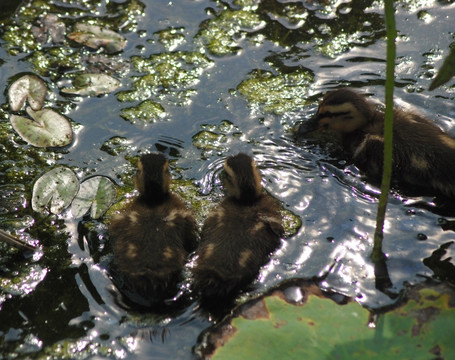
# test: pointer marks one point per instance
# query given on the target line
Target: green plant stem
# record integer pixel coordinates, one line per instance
(388, 130)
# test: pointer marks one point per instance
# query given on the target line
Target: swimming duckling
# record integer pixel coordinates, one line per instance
(423, 155)
(153, 236)
(239, 235)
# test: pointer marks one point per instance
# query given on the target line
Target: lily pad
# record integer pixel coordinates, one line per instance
(271, 328)
(28, 87)
(97, 194)
(95, 37)
(93, 85)
(49, 129)
(57, 187)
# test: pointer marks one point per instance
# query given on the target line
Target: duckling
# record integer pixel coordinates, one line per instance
(423, 155)
(153, 236)
(239, 235)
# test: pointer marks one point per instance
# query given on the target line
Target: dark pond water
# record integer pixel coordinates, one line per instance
(225, 76)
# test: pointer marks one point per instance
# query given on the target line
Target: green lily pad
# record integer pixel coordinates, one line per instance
(97, 194)
(93, 85)
(57, 187)
(272, 328)
(28, 87)
(49, 129)
(95, 37)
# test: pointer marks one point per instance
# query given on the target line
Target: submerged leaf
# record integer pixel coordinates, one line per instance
(58, 186)
(28, 87)
(49, 129)
(97, 193)
(446, 72)
(95, 37)
(93, 85)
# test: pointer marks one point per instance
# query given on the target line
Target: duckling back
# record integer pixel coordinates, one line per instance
(151, 241)
(236, 240)
(423, 155)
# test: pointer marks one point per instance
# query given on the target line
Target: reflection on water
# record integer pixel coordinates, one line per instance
(236, 76)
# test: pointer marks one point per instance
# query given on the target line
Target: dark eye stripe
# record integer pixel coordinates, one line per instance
(335, 114)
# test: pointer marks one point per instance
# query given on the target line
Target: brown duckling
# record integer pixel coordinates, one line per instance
(423, 155)
(153, 236)
(239, 235)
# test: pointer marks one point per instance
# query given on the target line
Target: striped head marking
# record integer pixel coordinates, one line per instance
(241, 178)
(340, 111)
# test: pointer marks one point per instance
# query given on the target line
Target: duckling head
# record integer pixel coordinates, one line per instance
(152, 177)
(341, 111)
(241, 178)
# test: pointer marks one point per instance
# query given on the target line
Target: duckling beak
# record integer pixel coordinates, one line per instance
(306, 127)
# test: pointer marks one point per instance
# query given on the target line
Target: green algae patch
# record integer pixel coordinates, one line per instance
(276, 93)
(147, 111)
(191, 195)
(171, 38)
(220, 35)
(339, 44)
(116, 145)
(215, 139)
(166, 74)
(318, 328)
(291, 222)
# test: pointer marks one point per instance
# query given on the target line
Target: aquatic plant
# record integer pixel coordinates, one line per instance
(378, 257)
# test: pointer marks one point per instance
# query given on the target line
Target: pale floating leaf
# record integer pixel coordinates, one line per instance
(49, 129)
(28, 87)
(95, 37)
(97, 194)
(57, 187)
(93, 85)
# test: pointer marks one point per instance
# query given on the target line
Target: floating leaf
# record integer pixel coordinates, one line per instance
(97, 193)
(446, 72)
(49, 129)
(28, 87)
(93, 85)
(58, 186)
(95, 37)
(272, 328)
